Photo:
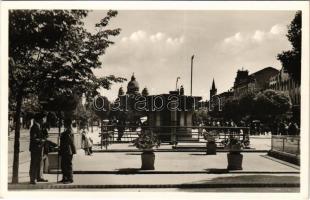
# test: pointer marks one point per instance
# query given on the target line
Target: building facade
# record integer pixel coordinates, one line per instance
(255, 82)
(282, 82)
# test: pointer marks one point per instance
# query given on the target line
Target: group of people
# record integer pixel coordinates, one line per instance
(220, 123)
(39, 147)
(288, 128)
(285, 127)
(120, 125)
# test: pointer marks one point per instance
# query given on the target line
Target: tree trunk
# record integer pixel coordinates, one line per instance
(19, 99)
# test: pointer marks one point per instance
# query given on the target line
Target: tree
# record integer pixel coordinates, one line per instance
(231, 110)
(51, 55)
(266, 106)
(291, 60)
(199, 116)
(270, 105)
(246, 106)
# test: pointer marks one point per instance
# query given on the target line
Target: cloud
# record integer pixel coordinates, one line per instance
(242, 41)
(278, 29)
(141, 46)
(159, 38)
(156, 51)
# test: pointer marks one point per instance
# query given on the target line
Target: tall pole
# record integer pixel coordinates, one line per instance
(192, 59)
(176, 84)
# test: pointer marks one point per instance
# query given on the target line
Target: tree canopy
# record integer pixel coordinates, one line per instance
(265, 106)
(52, 49)
(291, 60)
(52, 55)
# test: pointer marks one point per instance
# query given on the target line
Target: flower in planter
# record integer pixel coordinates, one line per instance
(234, 144)
(146, 140)
(210, 136)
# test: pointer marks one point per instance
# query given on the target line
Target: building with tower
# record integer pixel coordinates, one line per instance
(213, 89)
(217, 101)
(133, 86)
(254, 82)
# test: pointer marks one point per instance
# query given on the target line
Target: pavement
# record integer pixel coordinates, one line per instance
(176, 171)
(172, 170)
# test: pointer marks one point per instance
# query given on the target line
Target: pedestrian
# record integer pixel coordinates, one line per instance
(90, 146)
(87, 142)
(66, 151)
(293, 128)
(120, 129)
(36, 150)
(200, 129)
(283, 128)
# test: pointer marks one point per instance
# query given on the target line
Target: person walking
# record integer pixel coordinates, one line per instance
(200, 129)
(85, 141)
(36, 150)
(120, 129)
(66, 151)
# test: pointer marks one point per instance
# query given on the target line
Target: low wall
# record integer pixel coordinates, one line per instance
(286, 147)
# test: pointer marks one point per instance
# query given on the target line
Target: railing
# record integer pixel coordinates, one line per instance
(286, 143)
(172, 134)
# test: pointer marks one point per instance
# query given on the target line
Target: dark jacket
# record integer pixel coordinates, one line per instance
(36, 142)
(67, 146)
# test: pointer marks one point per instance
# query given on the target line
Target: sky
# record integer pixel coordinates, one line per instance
(157, 47)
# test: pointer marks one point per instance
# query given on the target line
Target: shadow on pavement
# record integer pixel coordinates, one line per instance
(128, 171)
(198, 154)
(252, 179)
(134, 154)
(217, 171)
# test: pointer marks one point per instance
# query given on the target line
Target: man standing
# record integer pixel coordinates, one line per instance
(66, 151)
(36, 150)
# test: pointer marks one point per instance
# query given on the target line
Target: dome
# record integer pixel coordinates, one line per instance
(145, 92)
(120, 91)
(133, 86)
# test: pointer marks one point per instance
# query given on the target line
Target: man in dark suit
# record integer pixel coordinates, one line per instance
(66, 151)
(36, 150)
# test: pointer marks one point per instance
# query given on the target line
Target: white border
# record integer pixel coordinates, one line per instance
(158, 5)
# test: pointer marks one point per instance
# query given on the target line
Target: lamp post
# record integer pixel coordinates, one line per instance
(176, 84)
(192, 60)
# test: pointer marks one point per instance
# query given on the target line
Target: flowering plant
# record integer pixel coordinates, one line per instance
(146, 140)
(210, 136)
(234, 144)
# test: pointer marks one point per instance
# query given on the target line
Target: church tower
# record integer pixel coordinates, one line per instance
(213, 90)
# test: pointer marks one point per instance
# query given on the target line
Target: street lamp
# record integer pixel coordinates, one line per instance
(176, 84)
(192, 60)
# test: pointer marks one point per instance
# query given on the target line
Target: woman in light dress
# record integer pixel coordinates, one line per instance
(87, 142)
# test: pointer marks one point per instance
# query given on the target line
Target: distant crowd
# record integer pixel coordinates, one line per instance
(284, 127)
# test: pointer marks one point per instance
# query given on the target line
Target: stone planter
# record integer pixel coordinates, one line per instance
(234, 161)
(211, 148)
(148, 160)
